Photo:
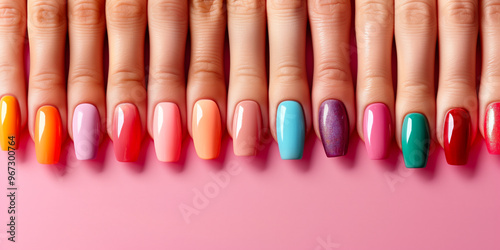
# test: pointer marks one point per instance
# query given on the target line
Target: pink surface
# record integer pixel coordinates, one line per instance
(253, 203)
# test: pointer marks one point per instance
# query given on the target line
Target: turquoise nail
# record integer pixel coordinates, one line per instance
(415, 140)
(290, 130)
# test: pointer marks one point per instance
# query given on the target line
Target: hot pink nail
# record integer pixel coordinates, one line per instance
(167, 131)
(377, 130)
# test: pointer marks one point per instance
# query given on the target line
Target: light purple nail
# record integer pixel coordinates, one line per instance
(86, 131)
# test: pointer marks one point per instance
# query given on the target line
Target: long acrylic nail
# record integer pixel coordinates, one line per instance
(206, 129)
(290, 130)
(247, 123)
(415, 140)
(86, 131)
(127, 132)
(10, 123)
(167, 132)
(377, 130)
(456, 136)
(492, 128)
(334, 127)
(48, 135)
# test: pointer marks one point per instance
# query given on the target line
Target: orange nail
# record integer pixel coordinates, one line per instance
(206, 128)
(10, 123)
(48, 133)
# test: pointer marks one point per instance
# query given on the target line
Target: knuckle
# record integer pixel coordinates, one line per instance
(491, 13)
(126, 78)
(86, 12)
(46, 81)
(287, 5)
(415, 89)
(340, 9)
(289, 72)
(84, 76)
(376, 12)
(48, 14)
(246, 6)
(166, 75)
(167, 10)
(11, 16)
(207, 68)
(333, 72)
(417, 13)
(461, 13)
(249, 73)
(208, 6)
(126, 11)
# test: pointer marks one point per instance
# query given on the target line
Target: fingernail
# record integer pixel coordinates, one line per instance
(48, 133)
(377, 130)
(167, 132)
(334, 127)
(246, 128)
(86, 131)
(492, 128)
(127, 132)
(415, 140)
(290, 130)
(10, 123)
(456, 136)
(206, 128)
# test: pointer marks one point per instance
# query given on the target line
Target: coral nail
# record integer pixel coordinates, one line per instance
(456, 136)
(290, 130)
(48, 135)
(206, 129)
(377, 130)
(86, 131)
(10, 123)
(167, 132)
(334, 127)
(127, 132)
(247, 124)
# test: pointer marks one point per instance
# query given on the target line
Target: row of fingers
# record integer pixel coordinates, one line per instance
(285, 105)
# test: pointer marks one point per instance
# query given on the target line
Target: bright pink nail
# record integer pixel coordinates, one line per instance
(167, 131)
(377, 130)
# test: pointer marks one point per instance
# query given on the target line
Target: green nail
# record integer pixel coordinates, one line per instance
(415, 140)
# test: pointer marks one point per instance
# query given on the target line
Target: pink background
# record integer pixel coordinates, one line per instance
(259, 202)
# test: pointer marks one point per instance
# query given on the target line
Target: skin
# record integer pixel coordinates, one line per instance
(12, 42)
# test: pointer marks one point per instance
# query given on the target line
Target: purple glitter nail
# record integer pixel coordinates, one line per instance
(334, 127)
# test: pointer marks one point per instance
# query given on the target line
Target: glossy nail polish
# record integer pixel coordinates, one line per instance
(48, 135)
(415, 140)
(247, 123)
(456, 136)
(126, 132)
(334, 127)
(10, 123)
(206, 129)
(167, 130)
(377, 130)
(290, 130)
(492, 128)
(86, 131)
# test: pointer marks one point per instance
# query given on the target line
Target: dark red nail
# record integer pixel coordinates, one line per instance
(456, 136)
(492, 128)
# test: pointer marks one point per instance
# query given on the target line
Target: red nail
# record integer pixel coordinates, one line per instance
(456, 136)
(492, 128)
(127, 132)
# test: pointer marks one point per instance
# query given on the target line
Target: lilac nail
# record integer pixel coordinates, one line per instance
(334, 127)
(86, 131)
